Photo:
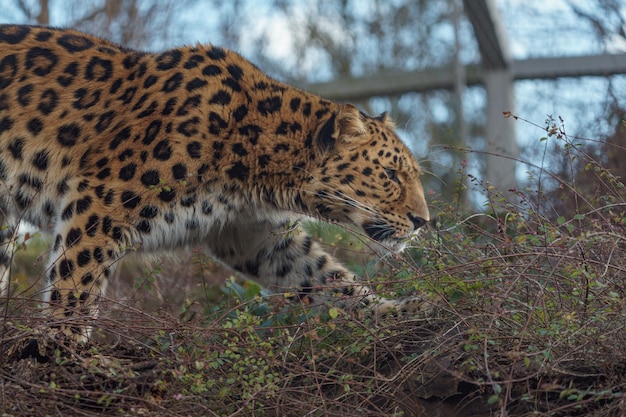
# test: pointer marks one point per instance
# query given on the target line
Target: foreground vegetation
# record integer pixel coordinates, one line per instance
(530, 320)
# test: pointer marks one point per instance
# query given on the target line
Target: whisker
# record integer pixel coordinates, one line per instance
(348, 200)
(344, 198)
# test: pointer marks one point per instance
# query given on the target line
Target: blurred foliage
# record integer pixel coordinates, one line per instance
(133, 23)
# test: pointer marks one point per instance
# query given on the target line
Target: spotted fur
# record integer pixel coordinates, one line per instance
(118, 150)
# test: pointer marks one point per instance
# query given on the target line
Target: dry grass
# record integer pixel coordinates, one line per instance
(531, 321)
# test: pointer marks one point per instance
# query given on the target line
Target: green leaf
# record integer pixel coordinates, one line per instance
(493, 399)
(253, 289)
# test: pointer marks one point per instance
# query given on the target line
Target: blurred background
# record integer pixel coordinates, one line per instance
(516, 111)
(447, 71)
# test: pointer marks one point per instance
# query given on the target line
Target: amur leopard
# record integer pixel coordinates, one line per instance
(115, 150)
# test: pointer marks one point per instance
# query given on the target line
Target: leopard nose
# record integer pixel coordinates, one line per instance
(417, 221)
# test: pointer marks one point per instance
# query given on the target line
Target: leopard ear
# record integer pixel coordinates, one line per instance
(386, 120)
(350, 122)
(344, 125)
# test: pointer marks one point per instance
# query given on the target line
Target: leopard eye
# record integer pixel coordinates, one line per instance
(392, 175)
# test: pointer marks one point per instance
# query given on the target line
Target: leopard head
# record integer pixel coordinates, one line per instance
(363, 174)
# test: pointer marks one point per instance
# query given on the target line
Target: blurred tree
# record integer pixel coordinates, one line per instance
(132, 23)
(606, 18)
(591, 175)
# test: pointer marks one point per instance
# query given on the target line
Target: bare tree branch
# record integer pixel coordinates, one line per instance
(44, 13)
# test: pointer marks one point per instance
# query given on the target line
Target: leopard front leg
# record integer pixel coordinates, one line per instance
(86, 249)
(7, 248)
(283, 257)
